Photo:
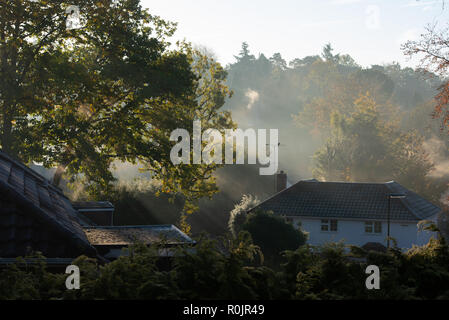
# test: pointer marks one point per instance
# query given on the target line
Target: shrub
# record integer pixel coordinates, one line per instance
(273, 234)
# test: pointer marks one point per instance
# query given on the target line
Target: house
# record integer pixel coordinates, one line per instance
(110, 240)
(99, 213)
(357, 213)
(35, 215)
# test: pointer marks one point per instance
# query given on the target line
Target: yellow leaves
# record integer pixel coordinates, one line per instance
(190, 208)
(184, 225)
(366, 101)
(85, 110)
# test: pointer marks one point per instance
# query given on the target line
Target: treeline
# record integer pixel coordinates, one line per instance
(337, 121)
(288, 88)
(233, 269)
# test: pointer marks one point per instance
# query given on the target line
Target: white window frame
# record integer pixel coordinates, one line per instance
(329, 224)
(373, 225)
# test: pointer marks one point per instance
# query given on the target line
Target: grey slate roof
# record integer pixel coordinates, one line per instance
(311, 198)
(38, 199)
(125, 235)
(103, 205)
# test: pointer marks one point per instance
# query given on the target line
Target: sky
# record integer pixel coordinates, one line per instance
(370, 31)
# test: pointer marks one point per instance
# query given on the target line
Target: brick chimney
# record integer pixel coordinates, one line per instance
(281, 181)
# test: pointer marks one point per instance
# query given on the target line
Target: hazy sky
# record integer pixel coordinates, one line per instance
(370, 31)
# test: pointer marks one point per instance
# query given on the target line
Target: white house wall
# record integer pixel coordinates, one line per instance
(353, 232)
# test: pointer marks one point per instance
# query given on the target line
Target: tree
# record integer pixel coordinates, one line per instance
(306, 61)
(264, 66)
(327, 54)
(228, 269)
(347, 60)
(238, 215)
(363, 147)
(433, 48)
(28, 29)
(278, 62)
(111, 90)
(273, 234)
(244, 55)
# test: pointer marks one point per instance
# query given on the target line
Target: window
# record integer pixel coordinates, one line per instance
(329, 225)
(377, 227)
(324, 225)
(333, 225)
(373, 227)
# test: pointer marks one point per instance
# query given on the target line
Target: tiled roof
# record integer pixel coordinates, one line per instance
(38, 199)
(80, 205)
(125, 235)
(312, 198)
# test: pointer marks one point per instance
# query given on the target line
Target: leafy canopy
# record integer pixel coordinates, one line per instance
(109, 91)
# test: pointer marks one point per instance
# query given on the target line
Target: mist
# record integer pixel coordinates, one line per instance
(299, 99)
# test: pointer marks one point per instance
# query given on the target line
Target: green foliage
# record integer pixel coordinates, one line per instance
(230, 268)
(237, 216)
(265, 229)
(29, 279)
(333, 276)
(112, 90)
(346, 155)
(432, 47)
(363, 147)
(134, 276)
(216, 271)
(362, 124)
